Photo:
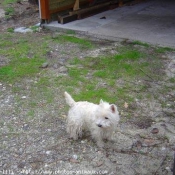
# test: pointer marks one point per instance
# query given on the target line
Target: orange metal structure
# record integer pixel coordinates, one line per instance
(49, 7)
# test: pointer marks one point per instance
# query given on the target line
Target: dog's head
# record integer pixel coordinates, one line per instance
(107, 115)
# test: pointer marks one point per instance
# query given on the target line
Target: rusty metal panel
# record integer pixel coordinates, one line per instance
(48, 7)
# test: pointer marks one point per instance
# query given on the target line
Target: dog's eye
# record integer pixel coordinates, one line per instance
(106, 117)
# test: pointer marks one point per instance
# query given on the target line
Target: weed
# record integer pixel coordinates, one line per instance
(164, 49)
(172, 80)
(70, 32)
(75, 61)
(34, 28)
(140, 43)
(9, 11)
(31, 114)
(10, 30)
(5, 2)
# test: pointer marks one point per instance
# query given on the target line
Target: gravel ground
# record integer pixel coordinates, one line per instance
(32, 131)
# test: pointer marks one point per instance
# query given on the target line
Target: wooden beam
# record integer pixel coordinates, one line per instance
(85, 10)
(66, 18)
(76, 5)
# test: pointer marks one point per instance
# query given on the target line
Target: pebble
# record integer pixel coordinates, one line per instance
(26, 127)
(44, 65)
(2, 13)
(21, 165)
(48, 152)
(99, 163)
(6, 13)
(167, 168)
(163, 148)
(155, 131)
(55, 66)
(62, 69)
(20, 150)
(75, 157)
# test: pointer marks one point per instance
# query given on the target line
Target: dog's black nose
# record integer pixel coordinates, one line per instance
(99, 125)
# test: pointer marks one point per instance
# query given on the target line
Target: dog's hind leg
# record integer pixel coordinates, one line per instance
(74, 130)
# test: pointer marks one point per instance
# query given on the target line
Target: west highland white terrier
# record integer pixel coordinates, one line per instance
(100, 119)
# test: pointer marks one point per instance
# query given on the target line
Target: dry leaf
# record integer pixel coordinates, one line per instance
(72, 160)
(126, 105)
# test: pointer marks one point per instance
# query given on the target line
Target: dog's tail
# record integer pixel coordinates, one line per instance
(69, 100)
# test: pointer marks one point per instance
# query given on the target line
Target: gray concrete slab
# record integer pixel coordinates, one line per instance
(152, 21)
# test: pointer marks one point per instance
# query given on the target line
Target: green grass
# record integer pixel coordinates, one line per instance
(107, 70)
(164, 49)
(20, 68)
(10, 30)
(25, 57)
(123, 64)
(5, 2)
(111, 77)
(141, 43)
(84, 43)
(9, 10)
(70, 32)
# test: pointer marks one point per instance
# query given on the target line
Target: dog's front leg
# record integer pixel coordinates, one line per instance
(97, 136)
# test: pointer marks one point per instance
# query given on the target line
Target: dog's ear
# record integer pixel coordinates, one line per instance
(113, 108)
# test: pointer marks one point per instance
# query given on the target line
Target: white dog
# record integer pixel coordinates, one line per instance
(101, 120)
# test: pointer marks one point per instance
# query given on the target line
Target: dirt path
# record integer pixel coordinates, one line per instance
(32, 129)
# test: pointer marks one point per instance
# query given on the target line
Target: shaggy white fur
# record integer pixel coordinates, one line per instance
(100, 120)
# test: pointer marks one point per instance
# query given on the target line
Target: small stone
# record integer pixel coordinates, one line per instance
(62, 69)
(148, 141)
(99, 163)
(44, 65)
(168, 168)
(75, 157)
(2, 13)
(20, 151)
(23, 97)
(154, 131)
(163, 148)
(48, 152)
(61, 63)
(26, 127)
(6, 13)
(138, 144)
(21, 165)
(55, 66)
